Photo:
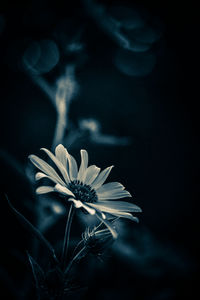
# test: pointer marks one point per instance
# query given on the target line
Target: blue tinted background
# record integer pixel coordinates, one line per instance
(155, 106)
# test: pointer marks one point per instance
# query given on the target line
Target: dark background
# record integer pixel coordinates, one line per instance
(158, 111)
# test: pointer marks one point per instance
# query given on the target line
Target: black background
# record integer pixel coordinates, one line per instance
(158, 111)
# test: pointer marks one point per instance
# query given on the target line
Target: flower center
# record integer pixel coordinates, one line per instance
(82, 192)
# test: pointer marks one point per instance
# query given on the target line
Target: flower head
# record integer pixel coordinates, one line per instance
(84, 186)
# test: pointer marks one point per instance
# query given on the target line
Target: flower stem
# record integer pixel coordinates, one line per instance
(64, 94)
(61, 124)
(74, 259)
(66, 236)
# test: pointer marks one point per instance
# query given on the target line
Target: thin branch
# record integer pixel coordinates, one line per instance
(77, 257)
(66, 237)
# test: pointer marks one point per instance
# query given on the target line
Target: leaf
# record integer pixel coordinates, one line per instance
(38, 273)
(34, 231)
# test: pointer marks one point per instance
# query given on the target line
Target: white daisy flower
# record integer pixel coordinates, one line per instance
(84, 186)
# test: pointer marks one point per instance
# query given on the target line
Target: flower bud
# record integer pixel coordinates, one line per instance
(97, 240)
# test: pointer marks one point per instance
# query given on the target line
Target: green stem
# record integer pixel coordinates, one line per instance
(66, 237)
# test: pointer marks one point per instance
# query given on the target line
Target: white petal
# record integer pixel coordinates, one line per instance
(63, 190)
(90, 174)
(126, 216)
(40, 175)
(61, 154)
(114, 212)
(108, 224)
(83, 166)
(44, 189)
(58, 164)
(110, 186)
(101, 178)
(103, 208)
(46, 168)
(79, 204)
(90, 210)
(119, 206)
(106, 208)
(113, 194)
(73, 168)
